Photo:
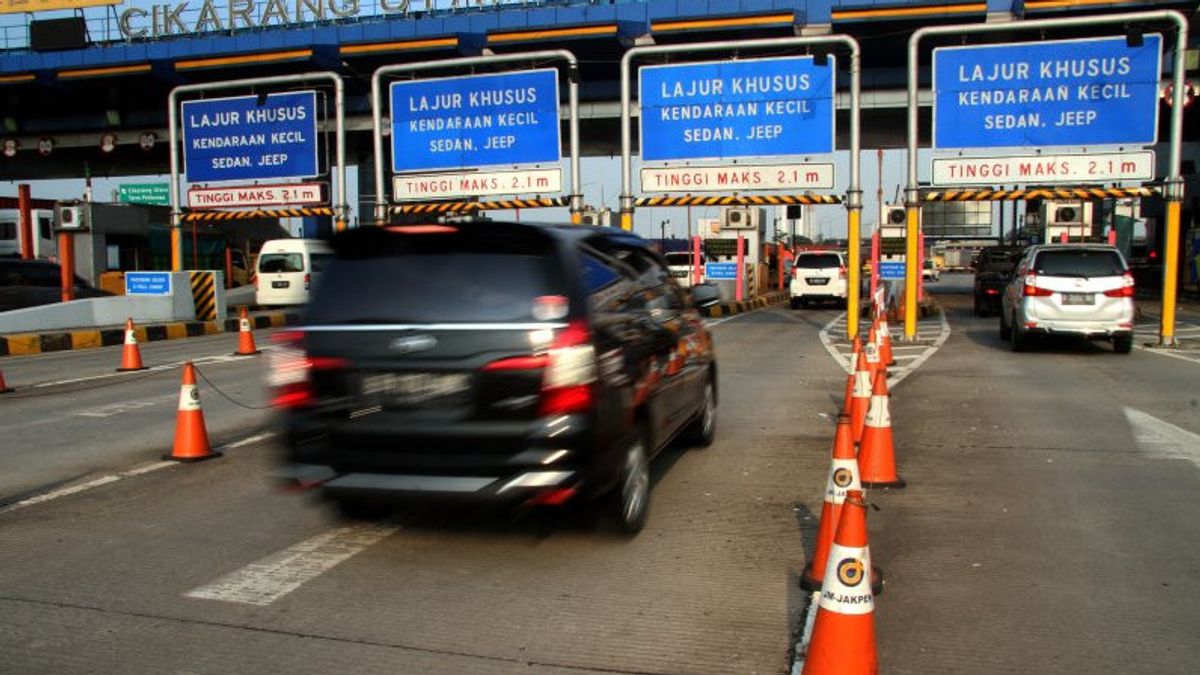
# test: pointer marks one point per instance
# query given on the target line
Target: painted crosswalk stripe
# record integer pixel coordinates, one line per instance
(262, 583)
(1159, 438)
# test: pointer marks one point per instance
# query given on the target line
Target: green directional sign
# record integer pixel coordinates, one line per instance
(156, 194)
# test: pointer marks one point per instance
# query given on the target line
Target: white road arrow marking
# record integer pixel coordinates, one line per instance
(1163, 439)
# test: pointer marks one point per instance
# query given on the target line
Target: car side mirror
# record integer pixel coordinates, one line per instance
(704, 295)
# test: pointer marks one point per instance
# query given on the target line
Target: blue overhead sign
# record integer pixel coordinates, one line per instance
(237, 139)
(728, 109)
(720, 270)
(475, 120)
(147, 283)
(891, 270)
(1058, 93)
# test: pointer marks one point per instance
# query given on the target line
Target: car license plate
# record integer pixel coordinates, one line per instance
(415, 389)
(818, 281)
(679, 274)
(1078, 298)
(280, 284)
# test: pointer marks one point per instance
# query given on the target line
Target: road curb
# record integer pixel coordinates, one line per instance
(731, 308)
(25, 344)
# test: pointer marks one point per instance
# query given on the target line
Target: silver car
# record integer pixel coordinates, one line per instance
(1069, 289)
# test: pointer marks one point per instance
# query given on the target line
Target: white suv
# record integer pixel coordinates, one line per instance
(818, 275)
(679, 264)
(1072, 289)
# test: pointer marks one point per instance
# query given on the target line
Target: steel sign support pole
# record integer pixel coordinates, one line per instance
(377, 105)
(341, 209)
(1173, 185)
(853, 191)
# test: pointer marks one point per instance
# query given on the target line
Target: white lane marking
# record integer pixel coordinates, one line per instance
(112, 478)
(124, 407)
(1159, 438)
(896, 375)
(262, 583)
(201, 361)
(718, 322)
(1190, 356)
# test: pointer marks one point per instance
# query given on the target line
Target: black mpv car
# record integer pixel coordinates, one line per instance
(513, 363)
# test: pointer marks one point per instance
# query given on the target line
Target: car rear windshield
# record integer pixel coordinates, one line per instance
(438, 278)
(1079, 263)
(281, 262)
(998, 260)
(818, 261)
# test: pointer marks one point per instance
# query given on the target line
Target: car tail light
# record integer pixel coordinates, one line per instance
(842, 272)
(569, 370)
(290, 370)
(1031, 289)
(991, 291)
(1125, 290)
(570, 373)
(307, 281)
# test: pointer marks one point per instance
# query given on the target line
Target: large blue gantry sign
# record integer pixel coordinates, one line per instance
(475, 120)
(1058, 93)
(251, 137)
(730, 109)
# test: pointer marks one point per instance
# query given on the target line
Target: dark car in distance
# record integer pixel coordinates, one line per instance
(31, 283)
(993, 267)
(509, 364)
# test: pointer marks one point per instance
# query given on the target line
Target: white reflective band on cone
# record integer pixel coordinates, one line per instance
(847, 585)
(845, 472)
(862, 384)
(130, 337)
(872, 351)
(189, 398)
(244, 325)
(883, 330)
(878, 415)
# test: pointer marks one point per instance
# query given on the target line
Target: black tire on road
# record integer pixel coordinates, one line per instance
(631, 498)
(1004, 329)
(702, 430)
(1017, 340)
(1123, 344)
(357, 509)
(795, 303)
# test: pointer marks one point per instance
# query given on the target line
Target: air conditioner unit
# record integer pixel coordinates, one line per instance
(70, 217)
(895, 215)
(589, 218)
(741, 218)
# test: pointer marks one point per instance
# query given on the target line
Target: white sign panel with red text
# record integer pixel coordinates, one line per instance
(408, 187)
(1095, 167)
(683, 179)
(292, 194)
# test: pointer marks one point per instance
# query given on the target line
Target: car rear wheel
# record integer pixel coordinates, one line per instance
(795, 303)
(1018, 341)
(700, 432)
(631, 499)
(1123, 344)
(1005, 331)
(358, 509)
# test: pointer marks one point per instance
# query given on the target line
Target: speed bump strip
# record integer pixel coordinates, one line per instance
(465, 207)
(739, 200)
(990, 195)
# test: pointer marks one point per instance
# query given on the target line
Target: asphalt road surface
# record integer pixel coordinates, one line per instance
(1049, 526)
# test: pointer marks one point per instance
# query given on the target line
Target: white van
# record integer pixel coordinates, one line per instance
(44, 245)
(287, 269)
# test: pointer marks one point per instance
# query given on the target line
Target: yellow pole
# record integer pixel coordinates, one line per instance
(176, 250)
(854, 263)
(627, 221)
(1166, 331)
(911, 271)
(576, 217)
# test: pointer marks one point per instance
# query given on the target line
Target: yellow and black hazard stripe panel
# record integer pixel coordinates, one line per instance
(465, 207)
(204, 295)
(195, 216)
(738, 200)
(991, 195)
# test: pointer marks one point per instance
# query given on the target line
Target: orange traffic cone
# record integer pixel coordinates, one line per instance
(131, 356)
(843, 634)
(245, 336)
(876, 453)
(885, 343)
(854, 350)
(4, 388)
(843, 476)
(871, 348)
(860, 398)
(191, 438)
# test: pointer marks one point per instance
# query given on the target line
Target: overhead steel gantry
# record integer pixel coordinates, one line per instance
(1172, 188)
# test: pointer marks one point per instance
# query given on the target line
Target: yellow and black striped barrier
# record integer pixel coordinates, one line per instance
(739, 200)
(204, 295)
(196, 216)
(466, 207)
(990, 195)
